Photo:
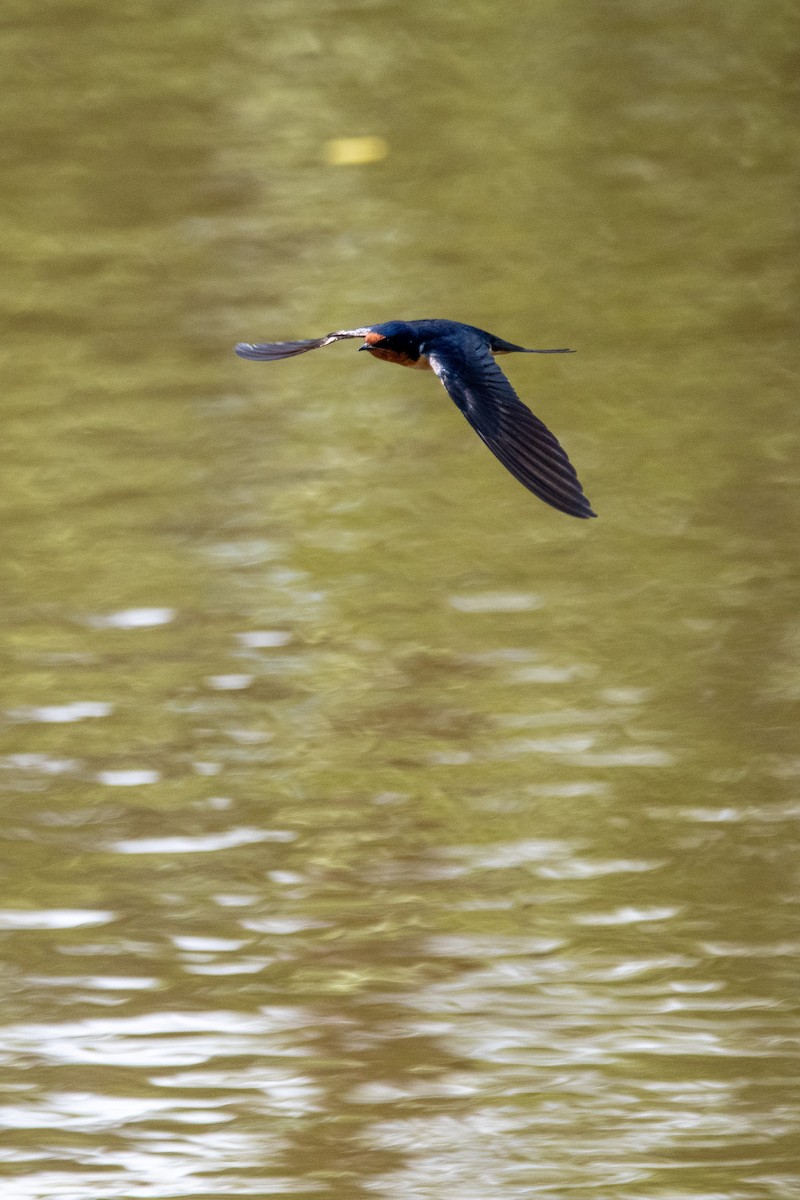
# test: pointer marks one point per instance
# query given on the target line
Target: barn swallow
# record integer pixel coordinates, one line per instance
(463, 358)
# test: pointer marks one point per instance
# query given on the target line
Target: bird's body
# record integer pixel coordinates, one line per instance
(463, 358)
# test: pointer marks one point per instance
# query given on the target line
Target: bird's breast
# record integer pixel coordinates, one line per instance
(402, 360)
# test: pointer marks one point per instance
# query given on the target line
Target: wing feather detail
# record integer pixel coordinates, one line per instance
(272, 351)
(522, 443)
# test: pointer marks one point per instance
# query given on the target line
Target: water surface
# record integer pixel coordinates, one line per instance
(369, 828)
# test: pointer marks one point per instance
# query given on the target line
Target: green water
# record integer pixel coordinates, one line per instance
(371, 829)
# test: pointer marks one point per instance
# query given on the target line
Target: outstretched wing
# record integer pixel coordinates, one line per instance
(524, 445)
(270, 351)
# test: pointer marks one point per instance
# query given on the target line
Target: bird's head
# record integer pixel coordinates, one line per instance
(395, 337)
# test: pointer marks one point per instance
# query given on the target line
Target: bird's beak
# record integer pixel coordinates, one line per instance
(365, 346)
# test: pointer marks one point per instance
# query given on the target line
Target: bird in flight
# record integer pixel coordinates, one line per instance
(463, 358)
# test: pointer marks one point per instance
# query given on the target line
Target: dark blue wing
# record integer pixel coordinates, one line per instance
(524, 445)
(270, 351)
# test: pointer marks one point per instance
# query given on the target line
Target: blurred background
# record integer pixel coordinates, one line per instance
(369, 828)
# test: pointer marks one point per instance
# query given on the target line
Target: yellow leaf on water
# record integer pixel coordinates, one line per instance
(354, 151)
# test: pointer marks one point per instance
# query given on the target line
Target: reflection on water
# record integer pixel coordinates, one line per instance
(370, 829)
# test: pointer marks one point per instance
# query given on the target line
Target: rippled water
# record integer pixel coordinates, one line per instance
(369, 828)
